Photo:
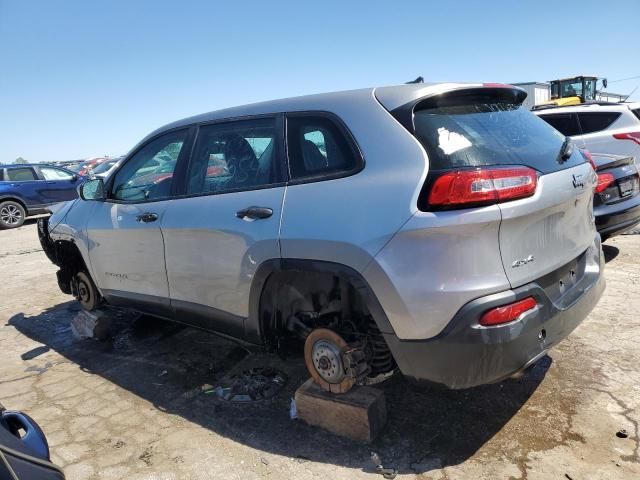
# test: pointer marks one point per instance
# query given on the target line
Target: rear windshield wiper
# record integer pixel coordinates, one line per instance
(566, 150)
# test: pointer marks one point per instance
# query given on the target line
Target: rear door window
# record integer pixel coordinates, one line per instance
(235, 156)
(565, 123)
(592, 122)
(23, 174)
(318, 148)
(475, 131)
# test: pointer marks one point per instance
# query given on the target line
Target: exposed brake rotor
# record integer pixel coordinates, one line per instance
(332, 363)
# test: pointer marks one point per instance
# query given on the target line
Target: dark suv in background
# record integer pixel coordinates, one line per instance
(28, 189)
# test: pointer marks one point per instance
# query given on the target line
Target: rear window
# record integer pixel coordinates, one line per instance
(475, 131)
(20, 174)
(591, 122)
(318, 148)
(565, 123)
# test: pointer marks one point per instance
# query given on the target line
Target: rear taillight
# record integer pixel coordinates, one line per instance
(633, 136)
(482, 186)
(507, 313)
(604, 181)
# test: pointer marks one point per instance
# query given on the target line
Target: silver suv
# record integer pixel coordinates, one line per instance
(442, 230)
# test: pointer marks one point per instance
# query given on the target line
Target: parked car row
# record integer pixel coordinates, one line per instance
(611, 132)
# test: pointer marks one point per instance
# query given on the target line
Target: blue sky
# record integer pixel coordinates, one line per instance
(84, 78)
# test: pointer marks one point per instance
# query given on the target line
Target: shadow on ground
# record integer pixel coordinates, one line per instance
(610, 252)
(427, 429)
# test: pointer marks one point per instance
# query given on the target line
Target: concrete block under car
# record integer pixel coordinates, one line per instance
(95, 324)
(360, 414)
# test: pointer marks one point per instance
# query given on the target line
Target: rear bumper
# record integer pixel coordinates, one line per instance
(466, 354)
(614, 219)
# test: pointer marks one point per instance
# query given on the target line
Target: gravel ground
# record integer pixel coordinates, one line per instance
(133, 407)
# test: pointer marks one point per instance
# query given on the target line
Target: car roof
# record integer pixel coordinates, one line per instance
(390, 97)
(20, 165)
(597, 107)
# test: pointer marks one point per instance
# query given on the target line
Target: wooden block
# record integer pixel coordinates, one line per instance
(96, 324)
(360, 414)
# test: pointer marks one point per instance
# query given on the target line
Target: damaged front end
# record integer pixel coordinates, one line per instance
(64, 254)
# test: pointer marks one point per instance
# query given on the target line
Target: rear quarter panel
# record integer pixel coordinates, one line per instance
(435, 264)
(348, 220)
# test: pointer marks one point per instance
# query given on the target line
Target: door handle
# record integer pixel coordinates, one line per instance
(147, 217)
(254, 213)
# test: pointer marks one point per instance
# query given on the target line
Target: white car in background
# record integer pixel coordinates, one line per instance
(611, 128)
(106, 167)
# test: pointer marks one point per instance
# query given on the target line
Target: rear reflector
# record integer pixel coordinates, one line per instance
(507, 313)
(482, 186)
(633, 136)
(604, 181)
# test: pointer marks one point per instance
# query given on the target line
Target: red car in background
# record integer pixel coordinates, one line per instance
(90, 164)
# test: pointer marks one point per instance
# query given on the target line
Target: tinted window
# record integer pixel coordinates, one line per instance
(565, 123)
(50, 173)
(636, 112)
(591, 122)
(472, 133)
(234, 156)
(317, 146)
(148, 175)
(21, 174)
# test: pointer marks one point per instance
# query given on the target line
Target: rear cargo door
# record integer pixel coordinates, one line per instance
(476, 129)
(541, 233)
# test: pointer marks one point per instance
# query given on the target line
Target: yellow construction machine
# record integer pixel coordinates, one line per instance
(574, 90)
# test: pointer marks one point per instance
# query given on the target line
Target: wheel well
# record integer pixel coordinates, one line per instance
(17, 200)
(70, 261)
(297, 297)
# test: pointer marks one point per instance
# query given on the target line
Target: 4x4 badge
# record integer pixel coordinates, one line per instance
(578, 181)
(524, 261)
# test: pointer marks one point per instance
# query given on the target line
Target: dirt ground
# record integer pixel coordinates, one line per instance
(133, 407)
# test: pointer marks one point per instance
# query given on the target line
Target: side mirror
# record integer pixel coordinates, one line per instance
(74, 178)
(92, 190)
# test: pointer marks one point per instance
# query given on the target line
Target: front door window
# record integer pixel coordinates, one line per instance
(148, 175)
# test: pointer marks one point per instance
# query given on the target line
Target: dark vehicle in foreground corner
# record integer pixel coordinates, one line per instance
(24, 450)
(27, 190)
(440, 230)
(616, 202)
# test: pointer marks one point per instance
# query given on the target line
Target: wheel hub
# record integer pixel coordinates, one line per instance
(327, 361)
(10, 215)
(83, 292)
(323, 356)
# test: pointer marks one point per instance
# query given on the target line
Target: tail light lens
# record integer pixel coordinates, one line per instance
(604, 181)
(633, 136)
(483, 186)
(507, 313)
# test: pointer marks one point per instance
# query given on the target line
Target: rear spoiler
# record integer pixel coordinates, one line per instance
(463, 92)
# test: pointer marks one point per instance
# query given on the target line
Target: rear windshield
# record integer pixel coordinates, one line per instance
(478, 130)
